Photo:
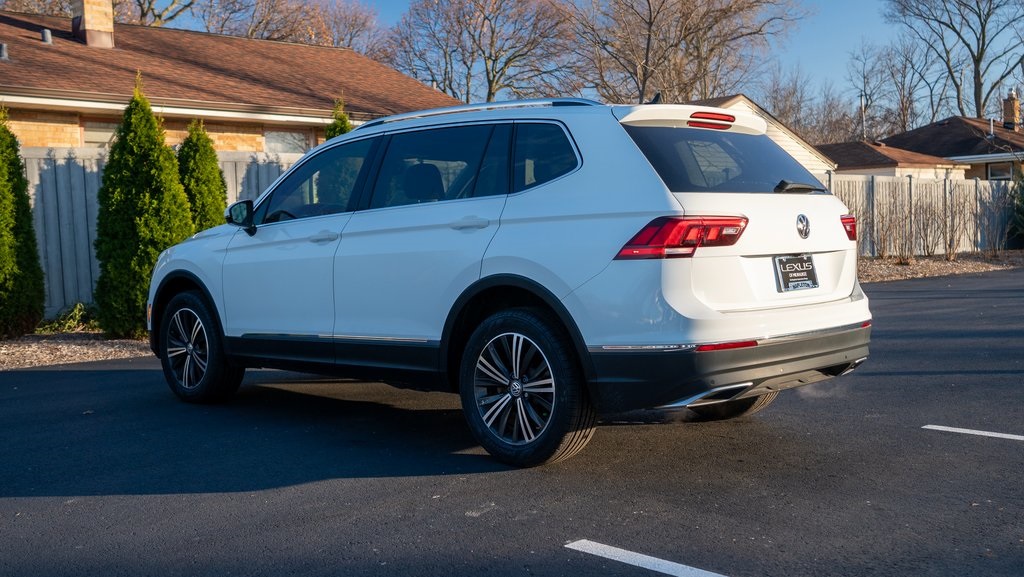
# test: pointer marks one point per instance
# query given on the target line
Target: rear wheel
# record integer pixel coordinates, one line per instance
(522, 391)
(733, 409)
(192, 354)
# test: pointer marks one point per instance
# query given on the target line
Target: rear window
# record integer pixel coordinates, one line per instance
(694, 160)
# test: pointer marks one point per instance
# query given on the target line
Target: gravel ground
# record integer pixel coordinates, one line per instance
(56, 349)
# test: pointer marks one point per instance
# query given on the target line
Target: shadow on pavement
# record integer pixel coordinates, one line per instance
(99, 429)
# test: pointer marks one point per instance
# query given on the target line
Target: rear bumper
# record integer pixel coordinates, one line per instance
(628, 380)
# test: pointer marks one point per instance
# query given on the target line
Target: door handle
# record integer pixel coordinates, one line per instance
(470, 222)
(324, 236)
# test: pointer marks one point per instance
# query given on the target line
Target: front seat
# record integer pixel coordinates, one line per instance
(422, 183)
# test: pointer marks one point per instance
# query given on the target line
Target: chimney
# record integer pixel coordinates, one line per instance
(1011, 112)
(92, 22)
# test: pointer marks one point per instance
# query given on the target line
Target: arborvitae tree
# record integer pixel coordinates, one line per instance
(21, 278)
(202, 177)
(142, 211)
(340, 125)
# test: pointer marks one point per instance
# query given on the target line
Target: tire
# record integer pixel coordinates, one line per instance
(192, 354)
(522, 390)
(733, 409)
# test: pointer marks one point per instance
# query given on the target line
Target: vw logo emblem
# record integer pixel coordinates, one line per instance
(803, 226)
(515, 389)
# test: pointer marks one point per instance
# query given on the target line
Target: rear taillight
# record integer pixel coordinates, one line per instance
(680, 237)
(850, 224)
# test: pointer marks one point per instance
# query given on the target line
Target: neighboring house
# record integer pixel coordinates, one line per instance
(812, 159)
(879, 159)
(993, 149)
(65, 83)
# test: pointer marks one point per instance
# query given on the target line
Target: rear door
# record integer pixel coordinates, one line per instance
(794, 249)
(417, 241)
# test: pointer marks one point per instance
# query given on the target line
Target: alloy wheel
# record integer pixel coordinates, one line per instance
(514, 388)
(187, 348)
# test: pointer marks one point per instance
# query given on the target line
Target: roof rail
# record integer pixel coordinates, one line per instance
(534, 102)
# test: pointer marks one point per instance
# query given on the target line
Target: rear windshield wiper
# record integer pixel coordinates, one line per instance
(787, 186)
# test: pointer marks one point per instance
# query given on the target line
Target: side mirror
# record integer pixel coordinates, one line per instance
(240, 214)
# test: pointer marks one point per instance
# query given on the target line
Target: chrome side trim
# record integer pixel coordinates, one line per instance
(338, 338)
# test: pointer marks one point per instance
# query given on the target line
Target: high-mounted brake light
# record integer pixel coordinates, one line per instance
(850, 225)
(715, 116)
(681, 236)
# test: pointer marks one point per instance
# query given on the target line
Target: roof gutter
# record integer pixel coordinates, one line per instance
(73, 101)
(984, 158)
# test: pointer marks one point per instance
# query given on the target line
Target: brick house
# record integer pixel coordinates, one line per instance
(65, 83)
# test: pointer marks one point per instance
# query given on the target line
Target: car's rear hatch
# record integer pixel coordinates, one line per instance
(793, 246)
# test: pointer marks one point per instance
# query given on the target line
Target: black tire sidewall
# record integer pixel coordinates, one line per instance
(569, 394)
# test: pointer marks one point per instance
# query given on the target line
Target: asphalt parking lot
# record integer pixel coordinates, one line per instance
(103, 472)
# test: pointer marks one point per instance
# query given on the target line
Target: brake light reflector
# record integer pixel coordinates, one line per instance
(681, 236)
(850, 224)
(726, 346)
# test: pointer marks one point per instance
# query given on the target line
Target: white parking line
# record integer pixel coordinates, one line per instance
(638, 560)
(973, 432)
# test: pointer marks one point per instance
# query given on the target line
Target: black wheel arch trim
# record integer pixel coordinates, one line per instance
(519, 282)
(160, 297)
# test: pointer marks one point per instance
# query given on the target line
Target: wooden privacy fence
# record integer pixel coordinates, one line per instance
(904, 216)
(896, 216)
(63, 183)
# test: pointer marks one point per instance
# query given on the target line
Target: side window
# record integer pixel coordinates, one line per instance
(542, 153)
(322, 185)
(430, 165)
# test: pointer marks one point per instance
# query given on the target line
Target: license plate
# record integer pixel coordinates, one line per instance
(795, 272)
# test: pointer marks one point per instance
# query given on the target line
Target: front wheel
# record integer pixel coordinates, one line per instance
(522, 391)
(192, 355)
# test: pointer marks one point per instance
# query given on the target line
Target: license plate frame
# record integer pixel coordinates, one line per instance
(795, 272)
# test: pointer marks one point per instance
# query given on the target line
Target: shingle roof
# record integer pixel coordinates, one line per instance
(210, 70)
(958, 136)
(854, 155)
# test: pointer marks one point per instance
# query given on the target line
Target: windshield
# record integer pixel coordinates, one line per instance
(695, 160)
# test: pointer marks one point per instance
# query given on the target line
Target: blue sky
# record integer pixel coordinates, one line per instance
(820, 44)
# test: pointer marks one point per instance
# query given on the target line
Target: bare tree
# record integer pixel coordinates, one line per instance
(48, 7)
(429, 43)
(285, 20)
(867, 75)
(345, 24)
(476, 49)
(151, 12)
(824, 117)
(684, 49)
(981, 36)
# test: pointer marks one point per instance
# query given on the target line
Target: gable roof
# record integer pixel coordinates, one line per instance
(959, 136)
(864, 155)
(186, 69)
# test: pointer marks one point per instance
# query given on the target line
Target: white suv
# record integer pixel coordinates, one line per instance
(549, 260)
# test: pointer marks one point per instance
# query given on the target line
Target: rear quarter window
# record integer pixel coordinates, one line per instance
(697, 160)
(543, 153)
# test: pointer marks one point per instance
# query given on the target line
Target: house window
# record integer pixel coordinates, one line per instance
(1000, 171)
(286, 141)
(98, 134)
